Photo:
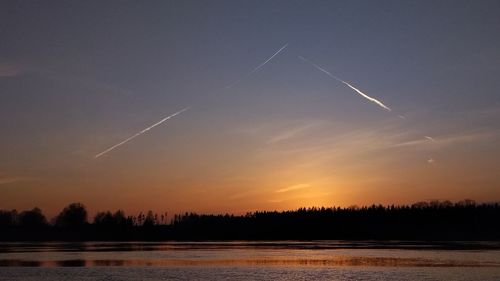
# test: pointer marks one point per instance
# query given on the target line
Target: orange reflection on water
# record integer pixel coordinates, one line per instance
(275, 261)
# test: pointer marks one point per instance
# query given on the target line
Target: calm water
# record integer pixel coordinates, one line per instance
(318, 260)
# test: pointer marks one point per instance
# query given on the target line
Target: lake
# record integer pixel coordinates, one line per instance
(276, 260)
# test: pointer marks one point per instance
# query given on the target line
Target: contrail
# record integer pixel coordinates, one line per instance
(320, 68)
(258, 67)
(347, 84)
(430, 138)
(140, 133)
(367, 97)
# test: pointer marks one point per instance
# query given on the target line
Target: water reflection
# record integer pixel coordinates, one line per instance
(257, 253)
(333, 262)
(21, 263)
(72, 263)
(164, 246)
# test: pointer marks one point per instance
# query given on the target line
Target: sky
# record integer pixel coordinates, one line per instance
(79, 77)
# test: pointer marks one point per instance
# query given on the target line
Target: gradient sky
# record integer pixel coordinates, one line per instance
(77, 77)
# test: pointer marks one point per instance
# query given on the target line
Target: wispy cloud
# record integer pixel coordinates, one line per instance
(277, 131)
(5, 179)
(291, 133)
(239, 195)
(448, 139)
(293, 187)
(347, 148)
(8, 180)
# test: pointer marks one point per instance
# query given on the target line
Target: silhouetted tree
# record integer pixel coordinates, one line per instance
(116, 220)
(140, 219)
(104, 219)
(8, 219)
(467, 203)
(420, 205)
(149, 220)
(32, 219)
(74, 216)
(120, 217)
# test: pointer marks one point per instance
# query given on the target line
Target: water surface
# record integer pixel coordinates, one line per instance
(278, 260)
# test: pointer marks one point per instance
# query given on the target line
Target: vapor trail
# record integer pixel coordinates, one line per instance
(140, 133)
(430, 138)
(347, 84)
(258, 67)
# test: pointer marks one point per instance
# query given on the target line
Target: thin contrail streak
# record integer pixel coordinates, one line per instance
(140, 133)
(430, 138)
(258, 67)
(345, 83)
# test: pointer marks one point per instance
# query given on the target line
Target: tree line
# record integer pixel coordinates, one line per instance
(433, 220)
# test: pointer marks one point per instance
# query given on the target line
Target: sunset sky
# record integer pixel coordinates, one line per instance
(77, 77)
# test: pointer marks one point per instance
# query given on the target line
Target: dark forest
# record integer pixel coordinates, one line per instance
(434, 220)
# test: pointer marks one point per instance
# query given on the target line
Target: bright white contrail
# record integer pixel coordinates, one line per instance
(347, 84)
(140, 133)
(258, 67)
(367, 97)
